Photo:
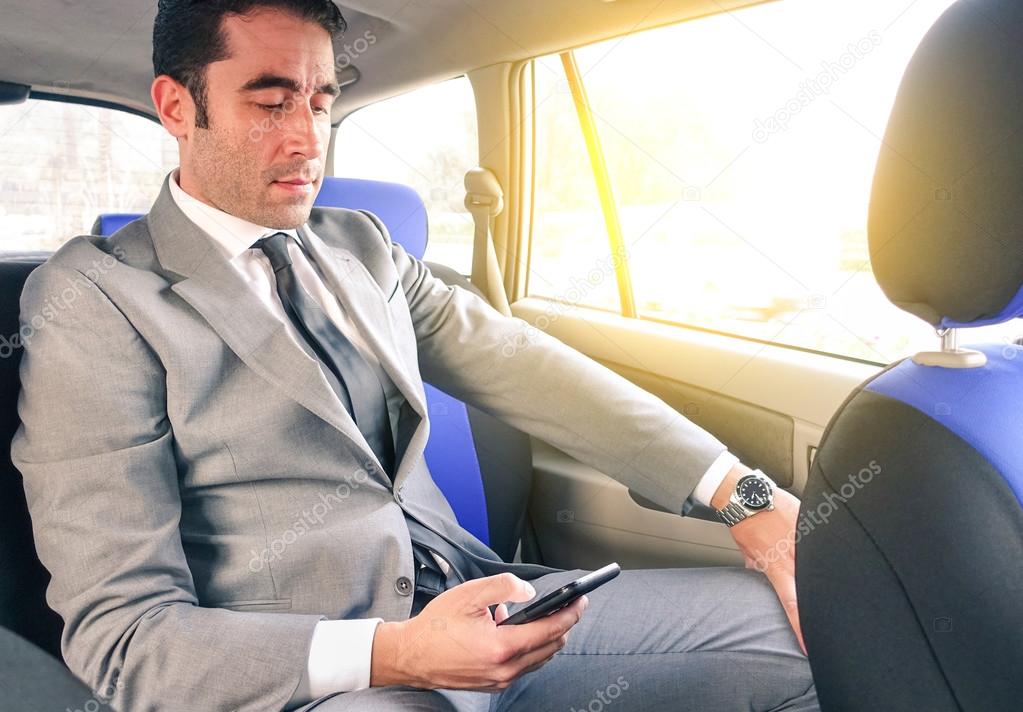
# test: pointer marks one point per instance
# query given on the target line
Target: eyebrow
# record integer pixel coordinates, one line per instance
(274, 81)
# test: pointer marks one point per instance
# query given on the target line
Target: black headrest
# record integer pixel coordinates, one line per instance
(946, 214)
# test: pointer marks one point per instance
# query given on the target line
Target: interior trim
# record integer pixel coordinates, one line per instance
(809, 387)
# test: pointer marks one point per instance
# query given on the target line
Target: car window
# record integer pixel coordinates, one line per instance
(426, 139)
(63, 164)
(740, 150)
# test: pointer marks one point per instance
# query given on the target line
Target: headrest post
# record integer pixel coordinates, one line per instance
(951, 356)
(949, 340)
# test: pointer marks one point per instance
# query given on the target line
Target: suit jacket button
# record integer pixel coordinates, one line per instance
(399, 497)
(403, 586)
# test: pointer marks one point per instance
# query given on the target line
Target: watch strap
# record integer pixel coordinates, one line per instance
(732, 514)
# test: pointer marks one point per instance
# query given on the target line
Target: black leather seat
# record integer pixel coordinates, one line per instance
(32, 676)
(23, 579)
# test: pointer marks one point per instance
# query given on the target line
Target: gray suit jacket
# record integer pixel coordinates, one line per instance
(201, 497)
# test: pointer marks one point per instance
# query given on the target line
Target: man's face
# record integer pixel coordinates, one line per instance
(261, 159)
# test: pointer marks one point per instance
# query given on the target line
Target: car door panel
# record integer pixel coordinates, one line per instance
(768, 404)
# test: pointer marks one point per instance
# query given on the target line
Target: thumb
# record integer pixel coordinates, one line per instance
(484, 592)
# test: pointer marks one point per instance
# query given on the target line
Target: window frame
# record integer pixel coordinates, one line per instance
(623, 270)
(88, 102)
(333, 147)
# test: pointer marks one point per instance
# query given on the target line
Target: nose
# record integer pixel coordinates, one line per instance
(304, 135)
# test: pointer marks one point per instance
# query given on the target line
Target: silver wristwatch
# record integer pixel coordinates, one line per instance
(754, 493)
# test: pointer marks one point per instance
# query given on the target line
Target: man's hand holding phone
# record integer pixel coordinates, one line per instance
(455, 642)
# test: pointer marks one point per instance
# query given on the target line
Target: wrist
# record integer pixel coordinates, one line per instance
(385, 663)
(727, 486)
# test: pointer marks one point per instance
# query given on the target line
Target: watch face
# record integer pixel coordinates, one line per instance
(753, 492)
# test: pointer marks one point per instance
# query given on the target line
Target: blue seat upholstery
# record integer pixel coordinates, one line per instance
(451, 453)
(909, 563)
(986, 414)
(398, 206)
(109, 223)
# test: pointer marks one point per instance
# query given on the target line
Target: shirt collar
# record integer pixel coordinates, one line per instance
(232, 234)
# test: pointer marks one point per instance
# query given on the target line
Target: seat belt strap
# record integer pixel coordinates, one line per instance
(484, 199)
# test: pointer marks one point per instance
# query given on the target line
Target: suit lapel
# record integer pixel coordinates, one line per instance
(220, 295)
(216, 290)
(366, 305)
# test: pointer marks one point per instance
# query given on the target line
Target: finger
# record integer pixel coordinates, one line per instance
(501, 613)
(535, 659)
(784, 584)
(793, 616)
(536, 634)
(534, 668)
(792, 612)
(483, 592)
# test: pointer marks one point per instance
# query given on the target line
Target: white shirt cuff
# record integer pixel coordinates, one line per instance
(340, 657)
(713, 478)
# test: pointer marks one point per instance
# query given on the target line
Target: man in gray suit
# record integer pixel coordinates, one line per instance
(198, 383)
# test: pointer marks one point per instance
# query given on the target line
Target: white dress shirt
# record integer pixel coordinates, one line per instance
(341, 650)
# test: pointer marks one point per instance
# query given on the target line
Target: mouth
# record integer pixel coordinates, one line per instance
(295, 186)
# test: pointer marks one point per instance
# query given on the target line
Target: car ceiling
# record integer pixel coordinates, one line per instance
(102, 49)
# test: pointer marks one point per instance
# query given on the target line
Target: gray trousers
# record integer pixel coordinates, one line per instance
(673, 639)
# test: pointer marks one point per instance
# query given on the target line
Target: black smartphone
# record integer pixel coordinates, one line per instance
(561, 597)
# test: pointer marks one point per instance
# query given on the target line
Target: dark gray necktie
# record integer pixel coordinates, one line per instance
(355, 382)
(362, 394)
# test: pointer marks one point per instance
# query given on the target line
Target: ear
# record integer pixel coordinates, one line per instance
(174, 105)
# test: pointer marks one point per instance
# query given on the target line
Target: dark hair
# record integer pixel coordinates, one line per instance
(188, 37)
